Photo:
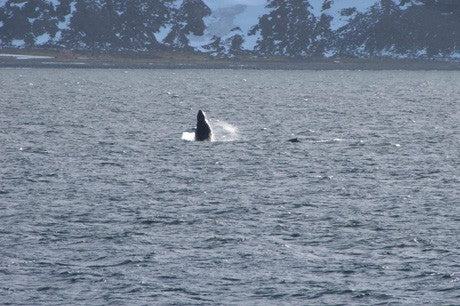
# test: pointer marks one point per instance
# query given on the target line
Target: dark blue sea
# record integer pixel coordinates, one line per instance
(104, 200)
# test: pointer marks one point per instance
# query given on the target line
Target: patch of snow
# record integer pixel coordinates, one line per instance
(248, 19)
(329, 53)
(217, 4)
(42, 39)
(58, 36)
(225, 17)
(23, 56)
(163, 32)
(20, 5)
(222, 21)
(391, 53)
(316, 7)
(250, 41)
(421, 53)
(64, 25)
(177, 3)
(218, 24)
(18, 43)
(197, 42)
(455, 55)
(55, 3)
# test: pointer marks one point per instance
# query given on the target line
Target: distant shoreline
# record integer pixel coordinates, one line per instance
(9, 60)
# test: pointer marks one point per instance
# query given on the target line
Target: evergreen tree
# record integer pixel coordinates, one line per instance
(374, 32)
(117, 24)
(187, 20)
(138, 20)
(288, 29)
(434, 25)
(273, 29)
(42, 18)
(91, 26)
(235, 42)
(301, 28)
(443, 6)
(27, 21)
(387, 33)
(324, 36)
(216, 47)
(63, 9)
(15, 23)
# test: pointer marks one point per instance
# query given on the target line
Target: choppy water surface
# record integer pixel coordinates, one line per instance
(103, 202)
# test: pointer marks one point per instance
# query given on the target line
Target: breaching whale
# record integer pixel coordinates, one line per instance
(203, 130)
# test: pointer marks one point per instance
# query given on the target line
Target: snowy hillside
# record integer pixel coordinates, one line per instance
(230, 17)
(253, 10)
(395, 28)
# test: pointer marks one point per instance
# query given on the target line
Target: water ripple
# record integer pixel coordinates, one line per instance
(103, 203)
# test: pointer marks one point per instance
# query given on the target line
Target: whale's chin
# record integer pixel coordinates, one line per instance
(209, 138)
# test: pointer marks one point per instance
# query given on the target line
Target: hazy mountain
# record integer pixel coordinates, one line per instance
(299, 28)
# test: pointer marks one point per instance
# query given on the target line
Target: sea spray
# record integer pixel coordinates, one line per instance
(223, 131)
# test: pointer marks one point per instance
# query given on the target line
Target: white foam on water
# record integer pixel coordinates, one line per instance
(223, 131)
(328, 140)
(188, 136)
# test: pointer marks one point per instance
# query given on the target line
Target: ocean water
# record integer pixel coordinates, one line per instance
(102, 201)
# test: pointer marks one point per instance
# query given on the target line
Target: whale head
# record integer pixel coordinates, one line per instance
(201, 117)
(203, 130)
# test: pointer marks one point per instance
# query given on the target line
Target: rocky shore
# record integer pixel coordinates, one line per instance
(107, 62)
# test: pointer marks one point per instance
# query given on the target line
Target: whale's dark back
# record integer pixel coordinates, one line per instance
(203, 130)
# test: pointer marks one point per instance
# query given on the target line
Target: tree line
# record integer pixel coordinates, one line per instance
(289, 28)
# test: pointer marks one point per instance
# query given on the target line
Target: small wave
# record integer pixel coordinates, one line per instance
(328, 141)
(115, 264)
(106, 163)
(36, 150)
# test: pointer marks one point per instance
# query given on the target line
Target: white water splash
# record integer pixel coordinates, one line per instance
(188, 136)
(221, 131)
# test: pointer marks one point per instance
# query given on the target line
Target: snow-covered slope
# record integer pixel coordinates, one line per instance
(229, 14)
(398, 41)
(229, 18)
